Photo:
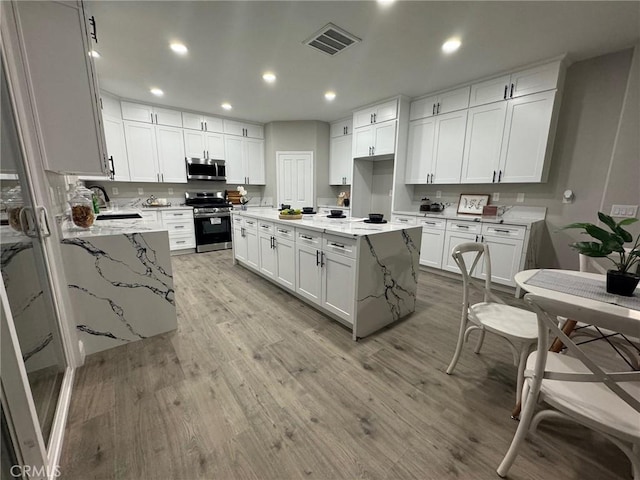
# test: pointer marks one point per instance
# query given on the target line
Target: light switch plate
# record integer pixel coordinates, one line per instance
(141, 191)
(438, 194)
(627, 211)
(495, 196)
(114, 190)
(520, 198)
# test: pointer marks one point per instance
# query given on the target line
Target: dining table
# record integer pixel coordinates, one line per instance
(581, 289)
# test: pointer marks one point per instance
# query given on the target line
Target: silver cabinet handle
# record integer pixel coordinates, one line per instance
(306, 237)
(204, 154)
(201, 125)
(206, 128)
(375, 117)
(151, 117)
(500, 230)
(156, 118)
(321, 259)
(181, 241)
(264, 226)
(333, 244)
(433, 110)
(317, 258)
(178, 214)
(476, 238)
(178, 226)
(438, 109)
(283, 231)
(429, 223)
(403, 220)
(463, 226)
(506, 87)
(511, 94)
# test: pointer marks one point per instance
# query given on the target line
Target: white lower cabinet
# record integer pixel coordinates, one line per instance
(452, 239)
(253, 247)
(432, 242)
(239, 240)
(266, 243)
(506, 246)
(338, 284)
(179, 224)
(285, 262)
(308, 273)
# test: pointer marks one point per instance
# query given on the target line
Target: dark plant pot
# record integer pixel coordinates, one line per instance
(622, 283)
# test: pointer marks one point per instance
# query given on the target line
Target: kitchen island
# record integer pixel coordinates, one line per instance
(120, 282)
(361, 274)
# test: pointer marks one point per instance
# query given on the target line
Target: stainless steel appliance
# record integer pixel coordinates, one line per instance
(212, 220)
(206, 169)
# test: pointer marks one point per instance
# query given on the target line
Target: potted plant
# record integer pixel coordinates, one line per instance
(611, 245)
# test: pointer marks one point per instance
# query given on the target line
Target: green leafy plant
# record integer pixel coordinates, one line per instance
(609, 244)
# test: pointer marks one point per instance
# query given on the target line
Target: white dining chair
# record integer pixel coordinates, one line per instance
(575, 387)
(515, 325)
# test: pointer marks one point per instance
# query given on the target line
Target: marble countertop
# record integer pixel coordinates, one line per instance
(113, 227)
(509, 218)
(345, 227)
(336, 207)
(153, 209)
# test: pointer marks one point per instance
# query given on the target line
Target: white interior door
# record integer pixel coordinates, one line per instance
(295, 179)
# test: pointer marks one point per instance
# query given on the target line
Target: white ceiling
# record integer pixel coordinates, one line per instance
(232, 43)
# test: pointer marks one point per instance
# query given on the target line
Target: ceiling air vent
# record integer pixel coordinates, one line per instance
(331, 40)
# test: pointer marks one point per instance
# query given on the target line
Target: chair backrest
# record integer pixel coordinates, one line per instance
(548, 311)
(587, 264)
(482, 254)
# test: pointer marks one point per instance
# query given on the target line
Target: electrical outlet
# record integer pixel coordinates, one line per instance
(520, 198)
(438, 194)
(495, 197)
(170, 191)
(141, 191)
(629, 211)
(114, 190)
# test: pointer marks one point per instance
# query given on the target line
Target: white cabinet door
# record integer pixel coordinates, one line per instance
(286, 263)
(213, 124)
(249, 130)
(338, 284)
(490, 91)
(141, 151)
(234, 153)
(526, 133)
(534, 80)
(194, 144)
(452, 239)
(308, 273)
(505, 259)
(192, 121)
(385, 111)
(449, 146)
(254, 131)
(453, 100)
(166, 117)
(254, 161)
(420, 150)
(214, 145)
(483, 142)
(340, 160)
(423, 108)
(363, 139)
(268, 265)
(116, 147)
(385, 138)
(233, 128)
(239, 243)
(171, 160)
(341, 128)
(253, 247)
(137, 112)
(431, 247)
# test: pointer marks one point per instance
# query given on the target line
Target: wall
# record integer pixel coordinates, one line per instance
(594, 94)
(308, 135)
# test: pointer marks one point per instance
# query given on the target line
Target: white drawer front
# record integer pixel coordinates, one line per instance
(433, 223)
(341, 245)
(238, 221)
(179, 226)
(265, 227)
(505, 231)
(149, 216)
(404, 219)
(178, 242)
(251, 224)
(308, 237)
(282, 231)
(464, 227)
(177, 215)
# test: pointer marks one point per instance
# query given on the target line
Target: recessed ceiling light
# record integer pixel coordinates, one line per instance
(179, 48)
(451, 45)
(157, 92)
(94, 54)
(269, 77)
(226, 106)
(386, 2)
(330, 95)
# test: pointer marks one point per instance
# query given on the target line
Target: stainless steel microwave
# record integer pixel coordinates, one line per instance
(206, 169)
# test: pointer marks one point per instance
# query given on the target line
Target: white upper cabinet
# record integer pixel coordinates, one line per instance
(204, 123)
(439, 104)
(142, 151)
(340, 160)
(377, 139)
(116, 147)
(64, 85)
(171, 162)
(139, 112)
(517, 84)
(376, 114)
(342, 128)
(435, 148)
(240, 129)
(204, 145)
(214, 146)
(110, 106)
(244, 160)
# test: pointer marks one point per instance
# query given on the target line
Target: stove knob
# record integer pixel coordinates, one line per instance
(195, 210)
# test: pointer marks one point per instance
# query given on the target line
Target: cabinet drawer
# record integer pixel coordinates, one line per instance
(308, 237)
(404, 219)
(177, 215)
(433, 223)
(265, 227)
(177, 226)
(177, 242)
(238, 220)
(341, 245)
(251, 224)
(284, 232)
(506, 231)
(464, 227)
(150, 217)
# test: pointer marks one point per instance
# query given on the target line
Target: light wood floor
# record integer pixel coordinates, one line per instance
(255, 384)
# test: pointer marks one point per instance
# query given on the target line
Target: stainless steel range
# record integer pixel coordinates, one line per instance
(212, 219)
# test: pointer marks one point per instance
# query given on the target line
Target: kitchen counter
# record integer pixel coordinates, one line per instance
(344, 227)
(525, 216)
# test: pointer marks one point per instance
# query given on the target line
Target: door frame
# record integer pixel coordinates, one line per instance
(279, 153)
